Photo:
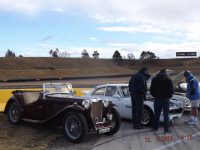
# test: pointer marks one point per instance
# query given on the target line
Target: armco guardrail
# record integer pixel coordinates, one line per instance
(64, 78)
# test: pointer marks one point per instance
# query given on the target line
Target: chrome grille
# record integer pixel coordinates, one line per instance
(97, 111)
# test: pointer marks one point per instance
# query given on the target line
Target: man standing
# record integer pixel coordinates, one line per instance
(193, 94)
(138, 89)
(161, 89)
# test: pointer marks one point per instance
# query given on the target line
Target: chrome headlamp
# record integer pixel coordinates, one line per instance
(86, 103)
(105, 103)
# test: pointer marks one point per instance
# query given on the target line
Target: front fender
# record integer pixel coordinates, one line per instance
(74, 107)
(13, 100)
(111, 104)
(62, 112)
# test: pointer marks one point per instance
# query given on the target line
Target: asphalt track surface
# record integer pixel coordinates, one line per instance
(182, 137)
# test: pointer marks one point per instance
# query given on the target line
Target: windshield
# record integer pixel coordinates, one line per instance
(57, 88)
(125, 91)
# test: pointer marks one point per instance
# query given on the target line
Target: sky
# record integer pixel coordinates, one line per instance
(33, 27)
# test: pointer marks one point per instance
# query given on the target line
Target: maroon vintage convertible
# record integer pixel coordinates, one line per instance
(56, 102)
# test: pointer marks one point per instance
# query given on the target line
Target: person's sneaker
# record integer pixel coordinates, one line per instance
(192, 122)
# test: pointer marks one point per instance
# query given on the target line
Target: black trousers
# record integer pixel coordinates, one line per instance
(137, 109)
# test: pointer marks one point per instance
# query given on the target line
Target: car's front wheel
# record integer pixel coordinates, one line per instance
(14, 113)
(75, 126)
(116, 122)
(147, 117)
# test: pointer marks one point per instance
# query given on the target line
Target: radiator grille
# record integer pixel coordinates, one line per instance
(97, 111)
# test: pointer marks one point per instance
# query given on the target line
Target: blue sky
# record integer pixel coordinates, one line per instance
(34, 27)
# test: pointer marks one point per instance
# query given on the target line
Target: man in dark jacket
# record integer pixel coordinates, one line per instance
(161, 89)
(138, 89)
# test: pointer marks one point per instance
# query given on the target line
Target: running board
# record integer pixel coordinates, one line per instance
(32, 121)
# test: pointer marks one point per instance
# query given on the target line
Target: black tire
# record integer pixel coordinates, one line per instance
(75, 126)
(116, 122)
(147, 117)
(14, 113)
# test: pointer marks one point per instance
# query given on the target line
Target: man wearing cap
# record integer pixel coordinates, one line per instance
(193, 94)
(138, 89)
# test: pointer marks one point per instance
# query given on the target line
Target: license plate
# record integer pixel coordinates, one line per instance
(104, 130)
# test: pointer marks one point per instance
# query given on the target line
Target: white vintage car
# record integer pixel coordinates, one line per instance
(119, 95)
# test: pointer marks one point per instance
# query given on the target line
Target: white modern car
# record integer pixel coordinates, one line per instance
(120, 96)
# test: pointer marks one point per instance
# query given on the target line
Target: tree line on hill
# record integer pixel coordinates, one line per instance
(145, 55)
(84, 54)
(10, 53)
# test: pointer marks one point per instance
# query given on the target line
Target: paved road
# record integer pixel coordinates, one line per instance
(183, 136)
(50, 137)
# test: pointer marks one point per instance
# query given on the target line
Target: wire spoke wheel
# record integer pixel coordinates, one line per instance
(14, 113)
(73, 127)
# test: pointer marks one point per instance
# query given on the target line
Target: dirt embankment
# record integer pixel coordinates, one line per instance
(23, 68)
(33, 67)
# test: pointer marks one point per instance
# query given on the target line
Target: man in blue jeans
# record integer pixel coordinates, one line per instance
(162, 90)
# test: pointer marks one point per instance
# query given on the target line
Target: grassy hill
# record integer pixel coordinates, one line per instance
(37, 67)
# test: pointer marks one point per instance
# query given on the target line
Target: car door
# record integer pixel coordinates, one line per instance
(126, 102)
(35, 110)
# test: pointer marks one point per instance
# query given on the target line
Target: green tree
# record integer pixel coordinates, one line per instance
(54, 53)
(147, 55)
(131, 56)
(9, 53)
(117, 57)
(95, 54)
(85, 54)
(51, 52)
